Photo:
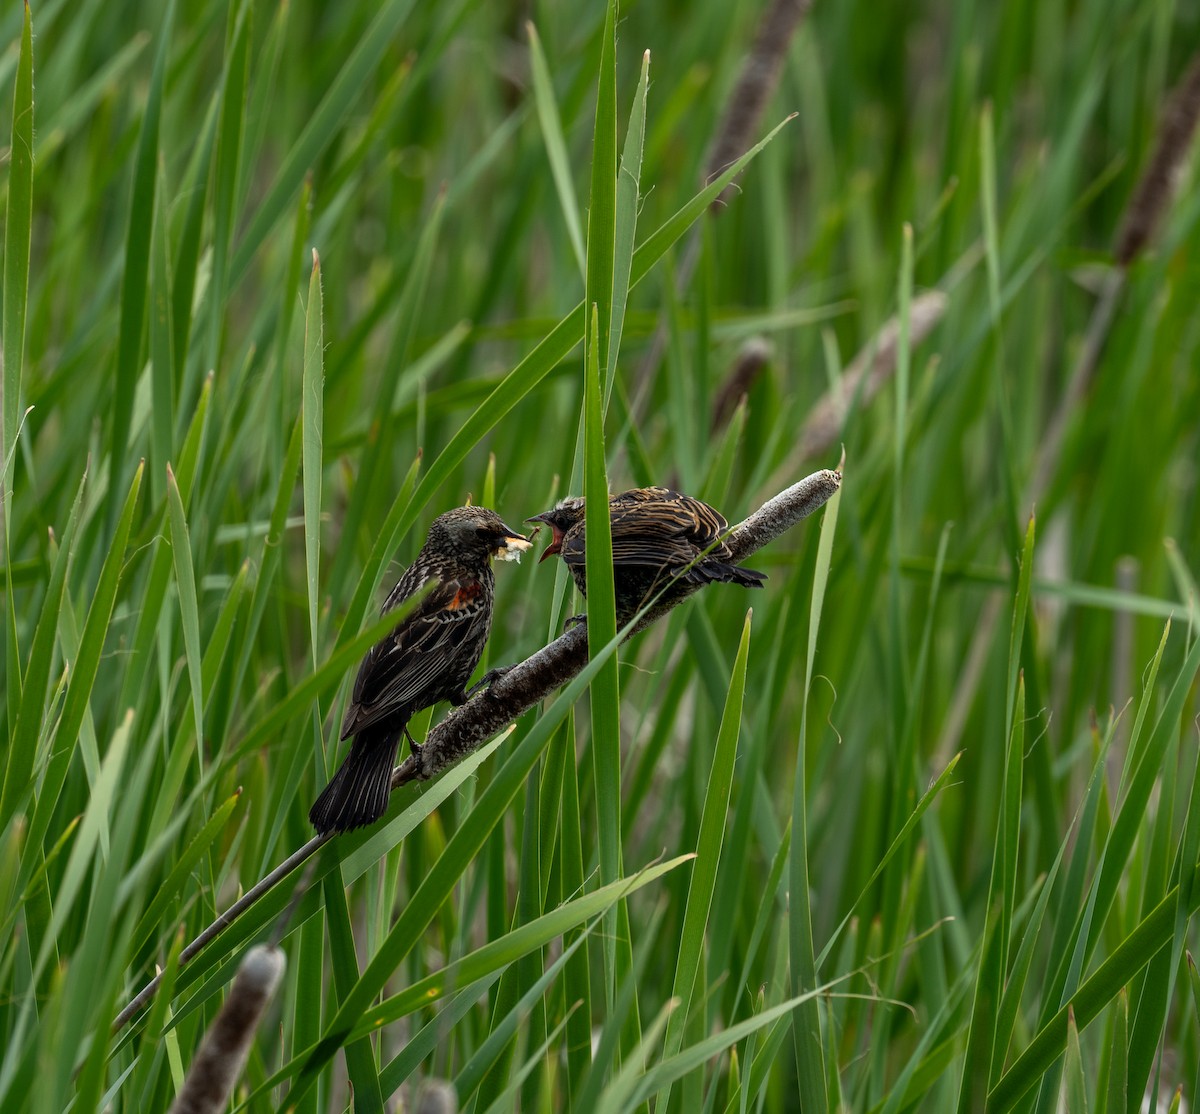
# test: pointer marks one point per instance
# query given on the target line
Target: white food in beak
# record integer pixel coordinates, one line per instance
(512, 549)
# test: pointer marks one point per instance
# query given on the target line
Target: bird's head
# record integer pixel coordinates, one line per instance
(565, 514)
(477, 533)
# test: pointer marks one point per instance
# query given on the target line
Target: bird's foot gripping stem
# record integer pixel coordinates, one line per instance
(413, 746)
(487, 680)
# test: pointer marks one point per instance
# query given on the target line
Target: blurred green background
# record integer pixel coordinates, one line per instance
(924, 268)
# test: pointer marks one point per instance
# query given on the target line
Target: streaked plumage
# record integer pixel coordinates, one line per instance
(427, 658)
(657, 535)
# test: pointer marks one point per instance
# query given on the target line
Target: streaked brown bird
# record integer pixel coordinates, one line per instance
(428, 657)
(658, 536)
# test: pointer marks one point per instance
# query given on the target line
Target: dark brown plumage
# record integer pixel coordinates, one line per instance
(428, 657)
(658, 535)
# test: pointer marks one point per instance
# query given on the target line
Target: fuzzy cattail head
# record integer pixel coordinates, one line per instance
(214, 1072)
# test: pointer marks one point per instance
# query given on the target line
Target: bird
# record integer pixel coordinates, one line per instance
(428, 657)
(662, 540)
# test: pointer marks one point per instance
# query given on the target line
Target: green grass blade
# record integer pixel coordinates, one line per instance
(771, 897)
(301, 224)
(1010, 1004)
(577, 985)
(312, 411)
(226, 171)
(134, 282)
(22, 749)
(360, 1058)
(1074, 1084)
(556, 147)
(185, 583)
(688, 965)
(162, 359)
(987, 174)
(149, 1063)
(147, 632)
(627, 201)
(18, 228)
(1070, 935)
(1157, 989)
(188, 275)
(1118, 1064)
(602, 204)
(806, 1028)
(601, 629)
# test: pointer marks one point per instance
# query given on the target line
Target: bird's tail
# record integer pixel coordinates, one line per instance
(710, 571)
(748, 578)
(358, 793)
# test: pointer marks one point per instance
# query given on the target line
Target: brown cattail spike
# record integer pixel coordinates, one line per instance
(1153, 193)
(751, 358)
(222, 1055)
(755, 86)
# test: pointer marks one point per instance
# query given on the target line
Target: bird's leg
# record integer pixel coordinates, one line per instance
(573, 621)
(486, 681)
(413, 745)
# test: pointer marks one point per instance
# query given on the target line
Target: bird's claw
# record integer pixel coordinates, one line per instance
(413, 746)
(489, 679)
(574, 621)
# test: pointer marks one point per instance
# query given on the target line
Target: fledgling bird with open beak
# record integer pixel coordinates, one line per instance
(428, 657)
(658, 536)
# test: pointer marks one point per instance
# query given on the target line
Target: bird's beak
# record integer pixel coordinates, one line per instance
(556, 537)
(512, 545)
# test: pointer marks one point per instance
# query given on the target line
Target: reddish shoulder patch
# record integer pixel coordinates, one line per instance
(465, 595)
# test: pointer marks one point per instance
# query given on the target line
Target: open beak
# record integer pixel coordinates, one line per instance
(512, 545)
(555, 539)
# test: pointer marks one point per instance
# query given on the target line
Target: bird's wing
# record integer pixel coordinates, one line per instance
(649, 528)
(644, 495)
(708, 524)
(406, 665)
(694, 519)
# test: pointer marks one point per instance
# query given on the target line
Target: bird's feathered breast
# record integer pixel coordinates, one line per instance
(409, 668)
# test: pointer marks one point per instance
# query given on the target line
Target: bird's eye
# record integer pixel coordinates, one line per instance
(484, 532)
